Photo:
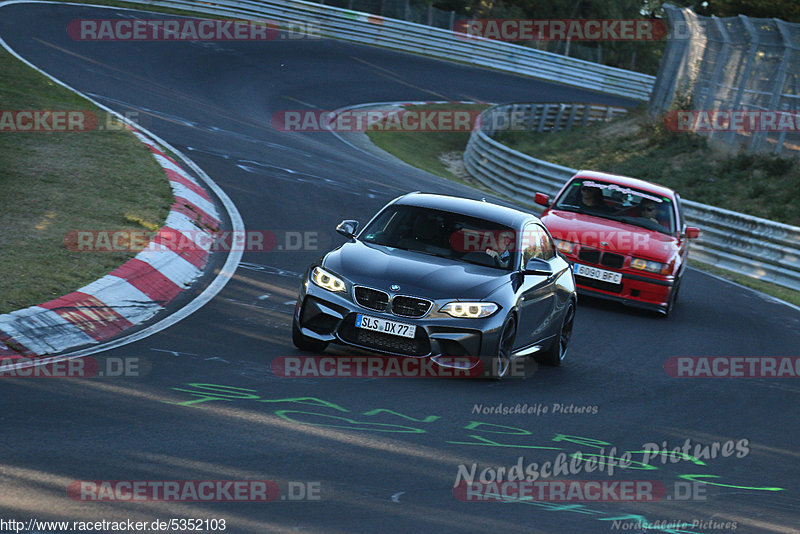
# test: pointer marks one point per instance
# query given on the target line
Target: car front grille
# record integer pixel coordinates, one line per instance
(402, 305)
(371, 298)
(615, 261)
(388, 342)
(410, 306)
(590, 255)
(609, 259)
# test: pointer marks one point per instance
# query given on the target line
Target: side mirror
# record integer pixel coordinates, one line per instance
(542, 199)
(537, 266)
(692, 232)
(348, 228)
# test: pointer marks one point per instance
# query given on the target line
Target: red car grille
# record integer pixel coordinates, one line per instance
(609, 259)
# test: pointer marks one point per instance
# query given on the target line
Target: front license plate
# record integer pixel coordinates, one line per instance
(387, 327)
(598, 274)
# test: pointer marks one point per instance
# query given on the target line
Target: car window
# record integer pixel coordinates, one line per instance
(445, 234)
(536, 243)
(621, 203)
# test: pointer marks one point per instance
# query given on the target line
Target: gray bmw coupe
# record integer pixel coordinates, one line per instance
(441, 277)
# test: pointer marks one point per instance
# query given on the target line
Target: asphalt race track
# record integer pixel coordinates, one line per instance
(377, 454)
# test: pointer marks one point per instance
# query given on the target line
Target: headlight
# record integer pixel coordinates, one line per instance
(326, 280)
(652, 266)
(471, 310)
(564, 246)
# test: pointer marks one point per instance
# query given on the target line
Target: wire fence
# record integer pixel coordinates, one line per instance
(739, 75)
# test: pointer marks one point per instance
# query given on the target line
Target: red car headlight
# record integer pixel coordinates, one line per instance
(650, 266)
(564, 246)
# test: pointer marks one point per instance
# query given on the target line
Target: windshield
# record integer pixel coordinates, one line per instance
(619, 203)
(444, 234)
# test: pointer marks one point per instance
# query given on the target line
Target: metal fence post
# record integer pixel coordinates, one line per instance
(712, 88)
(744, 79)
(758, 138)
(573, 108)
(674, 56)
(543, 118)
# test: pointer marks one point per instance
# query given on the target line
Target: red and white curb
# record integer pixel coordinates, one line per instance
(130, 294)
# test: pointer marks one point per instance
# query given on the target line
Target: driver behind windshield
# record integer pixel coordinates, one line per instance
(591, 199)
(502, 254)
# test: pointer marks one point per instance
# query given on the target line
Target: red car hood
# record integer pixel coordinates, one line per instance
(616, 236)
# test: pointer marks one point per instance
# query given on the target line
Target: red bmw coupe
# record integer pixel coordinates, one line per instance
(625, 238)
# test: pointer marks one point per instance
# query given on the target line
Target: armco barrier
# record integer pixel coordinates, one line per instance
(436, 42)
(741, 243)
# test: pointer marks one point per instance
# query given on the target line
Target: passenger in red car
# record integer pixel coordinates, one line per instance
(649, 210)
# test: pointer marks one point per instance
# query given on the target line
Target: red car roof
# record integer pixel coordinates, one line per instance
(626, 181)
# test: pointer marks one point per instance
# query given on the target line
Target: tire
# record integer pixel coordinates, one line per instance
(498, 365)
(303, 342)
(673, 299)
(558, 351)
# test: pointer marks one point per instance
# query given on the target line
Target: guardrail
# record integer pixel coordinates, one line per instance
(543, 117)
(755, 247)
(436, 42)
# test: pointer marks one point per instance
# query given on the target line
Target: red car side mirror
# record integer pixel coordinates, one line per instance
(542, 199)
(692, 232)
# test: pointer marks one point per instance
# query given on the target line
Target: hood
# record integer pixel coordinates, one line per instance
(417, 274)
(620, 237)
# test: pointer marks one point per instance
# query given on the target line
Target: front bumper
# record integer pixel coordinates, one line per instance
(331, 317)
(635, 290)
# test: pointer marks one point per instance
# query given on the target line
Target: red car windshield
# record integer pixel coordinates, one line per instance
(619, 203)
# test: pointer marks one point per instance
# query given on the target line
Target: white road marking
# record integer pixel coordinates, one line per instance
(174, 352)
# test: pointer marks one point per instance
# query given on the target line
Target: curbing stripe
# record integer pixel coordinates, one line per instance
(177, 269)
(149, 281)
(132, 293)
(123, 298)
(175, 177)
(200, 218)
(177, 242)
(180, 222)
(169, 164)
(206, 206)
(41, 331)
(89, 314)
(218, 282)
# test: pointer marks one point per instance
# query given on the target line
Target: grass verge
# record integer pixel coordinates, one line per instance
(620, 147)
(437, 152)
(774, 290)
(55, 182)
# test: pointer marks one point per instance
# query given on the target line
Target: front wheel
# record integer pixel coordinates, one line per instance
(558, 351)
(499, 364)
